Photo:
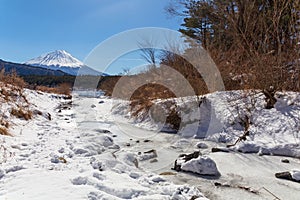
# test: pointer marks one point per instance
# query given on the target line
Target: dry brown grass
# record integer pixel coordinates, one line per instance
(21, 113)
(142, 105)
(107, 84)
(167, 174)
(63, 88)
(4, 123)
(4, 131)
(12, 79)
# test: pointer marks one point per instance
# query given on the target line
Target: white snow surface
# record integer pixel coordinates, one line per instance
(68, 158)
(91, 149)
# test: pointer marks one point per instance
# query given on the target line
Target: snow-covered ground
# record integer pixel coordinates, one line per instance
(90, 149)
(72, 156)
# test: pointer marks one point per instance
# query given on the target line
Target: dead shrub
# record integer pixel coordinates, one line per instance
(4, 131)
(143, 105)
(21, 113)
(107, 84)
(12, 78)
(174, 119)
(63, 88)
(142, 98)
(45, 89)
(4, 123)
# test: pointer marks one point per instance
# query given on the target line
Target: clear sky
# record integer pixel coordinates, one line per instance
(30, 28)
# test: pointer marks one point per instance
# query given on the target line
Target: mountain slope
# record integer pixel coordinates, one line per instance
(24, 70)
(64, 61)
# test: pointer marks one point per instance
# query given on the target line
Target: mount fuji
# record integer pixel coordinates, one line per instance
(63, 61)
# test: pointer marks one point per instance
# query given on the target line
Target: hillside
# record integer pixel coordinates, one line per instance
(24, 70)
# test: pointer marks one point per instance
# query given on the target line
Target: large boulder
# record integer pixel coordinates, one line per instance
(291, 176)
(202, 165)
(196, 163)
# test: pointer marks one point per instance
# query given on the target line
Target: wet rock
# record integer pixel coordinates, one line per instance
(202, 145)
(219, 149)
(79, 180)
(102, 131)
(284, 175)
(285, 161)
(147, 155)
(153, 161)
(291, 176)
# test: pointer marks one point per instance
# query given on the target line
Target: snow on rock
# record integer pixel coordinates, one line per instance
(130, 159)
(2, 173)
(181, 143)
(202, 145)
(79, 180)
(202, 165)
(295, 175)
(249, 147)
(290, 150)
(186, 191)
(158, 179)
(14, 168)
(134, 175)
(147, 155)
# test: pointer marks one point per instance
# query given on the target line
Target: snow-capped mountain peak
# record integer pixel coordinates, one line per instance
(56, 58)
(63, 61)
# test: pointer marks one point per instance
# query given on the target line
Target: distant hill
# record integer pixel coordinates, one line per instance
(25, 70)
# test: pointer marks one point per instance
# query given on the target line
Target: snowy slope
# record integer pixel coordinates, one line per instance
(64, 61)
(273, 131)
(86, 151)
(69, 157)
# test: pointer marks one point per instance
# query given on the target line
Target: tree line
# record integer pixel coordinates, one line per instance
(253, 42)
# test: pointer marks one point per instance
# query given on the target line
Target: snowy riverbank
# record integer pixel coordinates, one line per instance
(89, 151)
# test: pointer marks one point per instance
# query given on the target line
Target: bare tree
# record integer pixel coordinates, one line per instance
(149, 53)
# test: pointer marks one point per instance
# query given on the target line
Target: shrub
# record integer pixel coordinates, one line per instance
(20, 113)
(62, 88)
(173, 119)
(4, 123)
(12, 79)
(4, 131)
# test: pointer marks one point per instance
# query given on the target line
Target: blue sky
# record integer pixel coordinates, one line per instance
(33, 27)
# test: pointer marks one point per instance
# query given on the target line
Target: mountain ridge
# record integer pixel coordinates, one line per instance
(63, 61)
(24, 70)
(59, 58)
